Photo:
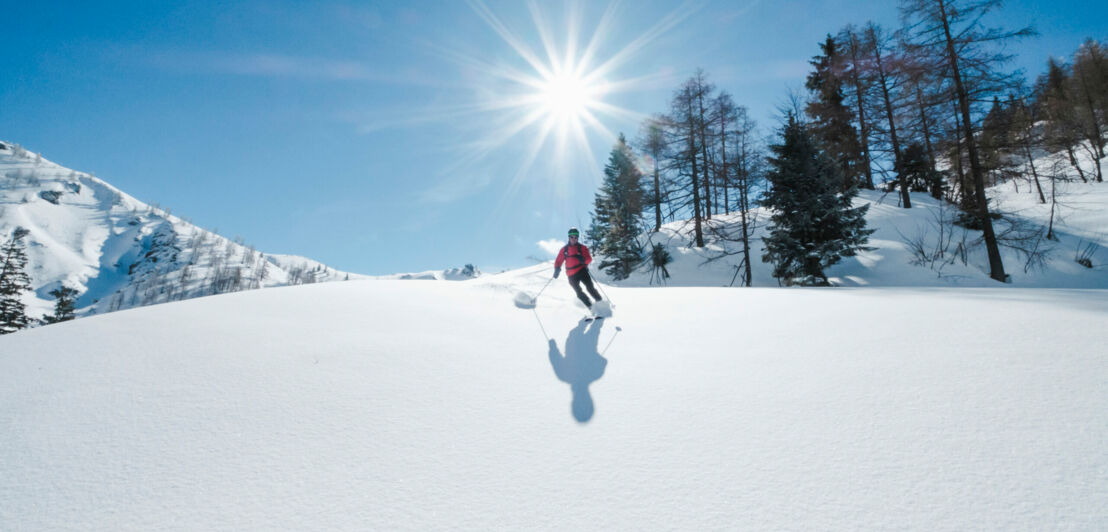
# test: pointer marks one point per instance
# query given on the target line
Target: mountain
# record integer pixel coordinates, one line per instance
(120, 252)
(398, 405)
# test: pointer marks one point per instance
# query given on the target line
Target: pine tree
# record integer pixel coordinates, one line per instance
(916, 171)
(64, 304)
(617, 217)
(14, 281)
(814, 224)
(830, 115)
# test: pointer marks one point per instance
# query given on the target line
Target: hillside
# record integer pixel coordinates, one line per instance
(414, 406)
(1080, 225)
(120, 252)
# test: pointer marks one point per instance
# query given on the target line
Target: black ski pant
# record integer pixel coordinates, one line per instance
(579, 278)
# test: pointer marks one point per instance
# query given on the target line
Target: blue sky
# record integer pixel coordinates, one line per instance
(365, 134)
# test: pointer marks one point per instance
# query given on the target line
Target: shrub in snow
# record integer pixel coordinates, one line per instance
(659, 257)
(51, 195)
(1085, 254)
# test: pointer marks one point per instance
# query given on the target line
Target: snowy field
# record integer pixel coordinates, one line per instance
(400, 405)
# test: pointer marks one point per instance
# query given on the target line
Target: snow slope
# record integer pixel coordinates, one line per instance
(120, 252)
(393, 405)
(1081, 219)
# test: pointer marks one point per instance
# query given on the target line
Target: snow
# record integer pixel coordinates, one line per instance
(413, 406)
(118, 251)
(918, 395)
(1081, 219)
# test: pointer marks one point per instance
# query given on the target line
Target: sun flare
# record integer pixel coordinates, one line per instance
(566, 97)
(556, 92)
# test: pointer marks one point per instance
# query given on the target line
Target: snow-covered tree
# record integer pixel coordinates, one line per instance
(617, 215)
(65, 300)
(814, 224)
(14, 282)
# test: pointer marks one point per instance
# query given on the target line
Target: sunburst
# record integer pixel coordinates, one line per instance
(558, 97)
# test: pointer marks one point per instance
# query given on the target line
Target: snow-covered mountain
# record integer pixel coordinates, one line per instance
(120, 252)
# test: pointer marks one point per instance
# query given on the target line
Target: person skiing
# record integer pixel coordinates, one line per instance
(576, 257)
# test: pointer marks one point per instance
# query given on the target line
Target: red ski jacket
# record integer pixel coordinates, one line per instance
(575, 259)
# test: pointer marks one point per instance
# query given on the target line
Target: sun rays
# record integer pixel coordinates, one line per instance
(556, 93)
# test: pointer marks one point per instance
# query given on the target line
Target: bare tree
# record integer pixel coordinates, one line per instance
(952, 30)
(654, 145)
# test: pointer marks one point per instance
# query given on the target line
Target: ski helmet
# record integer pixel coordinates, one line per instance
(574, 232)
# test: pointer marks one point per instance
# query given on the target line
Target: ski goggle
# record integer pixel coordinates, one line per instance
(574, 235)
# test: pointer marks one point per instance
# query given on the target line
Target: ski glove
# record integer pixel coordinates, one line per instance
(557, 271)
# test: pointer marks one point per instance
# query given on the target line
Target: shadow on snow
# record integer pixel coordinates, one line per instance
(581, 365)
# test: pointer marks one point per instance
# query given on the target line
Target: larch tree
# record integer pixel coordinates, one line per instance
(952, 31)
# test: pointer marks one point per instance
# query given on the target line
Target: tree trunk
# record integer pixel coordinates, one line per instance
(1096, 139)
(703, 126)
(1034, 173)
(1053, 202)
(904, 197)
(864, 133)
(936, 184)
(744, 204)
(695, 183)
(723, 161)
(1073, 162)
(996, 264)
(967, 198)
(657, 197)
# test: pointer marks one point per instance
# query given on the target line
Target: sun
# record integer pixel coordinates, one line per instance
(556, 94)
(566, 97)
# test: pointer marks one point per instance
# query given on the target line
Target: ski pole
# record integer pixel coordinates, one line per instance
(601, 287)
(536, 298)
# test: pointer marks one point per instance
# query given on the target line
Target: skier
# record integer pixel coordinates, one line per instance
(576, 257)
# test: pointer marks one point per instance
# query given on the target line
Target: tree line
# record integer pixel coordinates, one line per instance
(926, 107)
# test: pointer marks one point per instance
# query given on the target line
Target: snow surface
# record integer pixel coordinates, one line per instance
(394, 405)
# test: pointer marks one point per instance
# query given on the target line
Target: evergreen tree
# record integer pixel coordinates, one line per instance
(14, 281)
(831, 117)
(1062, 131)
(64, 304)
(814, 224)
(617, 218)
(993, 141)
(916, 171)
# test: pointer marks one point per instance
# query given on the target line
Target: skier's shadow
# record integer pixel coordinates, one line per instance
(581, 366)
